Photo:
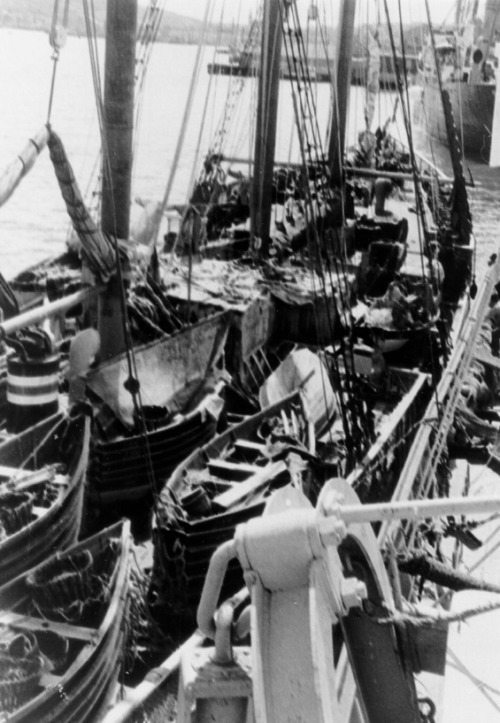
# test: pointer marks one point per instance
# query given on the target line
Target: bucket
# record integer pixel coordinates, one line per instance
(32, 391)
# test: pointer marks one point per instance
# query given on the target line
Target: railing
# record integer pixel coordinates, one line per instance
(419, 471)
(377, 474)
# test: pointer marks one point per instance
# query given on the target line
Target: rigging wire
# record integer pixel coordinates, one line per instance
(421, 217)
(314, 157)
(146, 37)
(310, 219)
(187, 111)
(432, 274)
(57, 39)
(479, 684)
(132, 384)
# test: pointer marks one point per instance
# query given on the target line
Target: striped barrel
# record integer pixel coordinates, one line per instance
(32, 391)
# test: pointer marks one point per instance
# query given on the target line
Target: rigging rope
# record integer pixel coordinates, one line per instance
(132, 384)
(480, 685)
(187, 111)
(146, 37)
(313, 157)
(417, 619)
(297, 71)
(421, 216)
(57, 39)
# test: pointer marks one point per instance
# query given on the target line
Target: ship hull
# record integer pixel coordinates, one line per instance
(473, 107)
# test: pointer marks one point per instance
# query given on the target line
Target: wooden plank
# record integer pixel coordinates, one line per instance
(248, 445)
(232, 470)
(286, 424)
(241, 491)
(26, 622)
(9, 472)
(249, 449)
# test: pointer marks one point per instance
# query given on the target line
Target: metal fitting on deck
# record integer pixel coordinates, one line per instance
(353, 592)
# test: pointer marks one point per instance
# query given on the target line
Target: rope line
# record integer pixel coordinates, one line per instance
(419, 619)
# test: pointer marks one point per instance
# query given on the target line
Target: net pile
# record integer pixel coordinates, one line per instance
(20, 669)
(15, 511)
(73, 589)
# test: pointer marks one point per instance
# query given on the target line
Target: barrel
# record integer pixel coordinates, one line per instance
(32, 390)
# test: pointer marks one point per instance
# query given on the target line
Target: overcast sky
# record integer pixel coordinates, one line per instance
(413, 10)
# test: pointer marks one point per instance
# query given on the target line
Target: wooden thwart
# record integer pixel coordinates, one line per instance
(250, 486)
(231, 470)
(248, 447)
(26, 622)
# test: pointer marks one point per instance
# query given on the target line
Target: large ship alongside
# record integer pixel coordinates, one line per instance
(462, 63)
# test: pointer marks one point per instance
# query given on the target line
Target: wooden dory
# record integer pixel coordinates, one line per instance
(41, 491)
(181, 404)
(218, 486)
(62, 629)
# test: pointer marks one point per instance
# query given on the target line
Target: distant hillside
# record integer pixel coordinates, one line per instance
(37, 15)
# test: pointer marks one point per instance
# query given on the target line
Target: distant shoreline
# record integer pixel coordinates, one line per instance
(175, 29)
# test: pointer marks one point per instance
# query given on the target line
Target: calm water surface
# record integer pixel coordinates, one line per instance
(33, 223)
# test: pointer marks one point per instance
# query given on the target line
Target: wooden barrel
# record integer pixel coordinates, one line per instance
(32, 390)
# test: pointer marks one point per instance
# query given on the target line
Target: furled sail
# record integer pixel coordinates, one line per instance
(97, 248)
(22, 164)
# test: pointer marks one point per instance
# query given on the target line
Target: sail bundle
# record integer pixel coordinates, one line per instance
(21, 165)
(97, 248)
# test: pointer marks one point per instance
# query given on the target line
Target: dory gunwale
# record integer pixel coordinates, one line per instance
(81, 692)
(58, 527)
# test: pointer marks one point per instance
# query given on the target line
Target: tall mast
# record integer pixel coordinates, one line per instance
(342, 89)
(267, 113)
(119, 84)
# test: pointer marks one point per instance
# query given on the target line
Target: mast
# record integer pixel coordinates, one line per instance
(491, 18)
(342, 89)
(119, 85)
(267, 113)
